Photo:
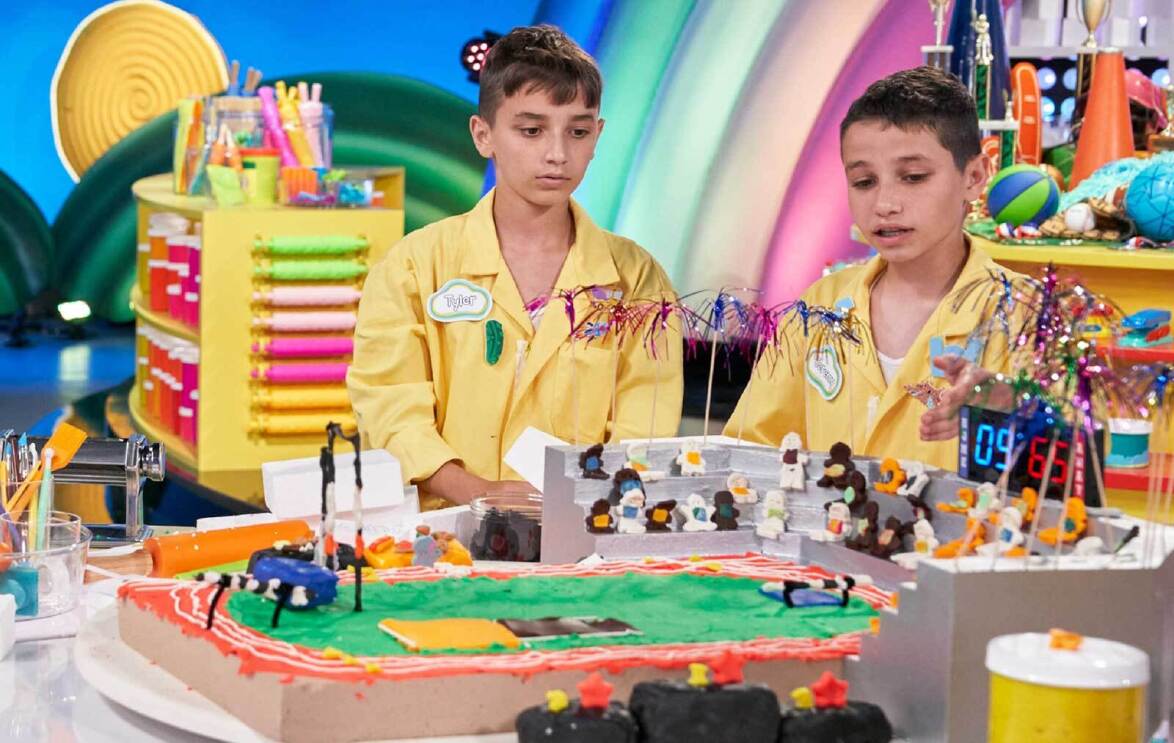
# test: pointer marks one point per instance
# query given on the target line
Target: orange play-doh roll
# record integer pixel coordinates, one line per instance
(179, 553)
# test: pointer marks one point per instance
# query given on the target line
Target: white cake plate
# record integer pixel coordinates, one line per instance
(123, 676)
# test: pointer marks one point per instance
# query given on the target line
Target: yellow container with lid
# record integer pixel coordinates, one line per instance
(1065, 688)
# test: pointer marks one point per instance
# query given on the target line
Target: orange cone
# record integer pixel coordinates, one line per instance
(1107, 133)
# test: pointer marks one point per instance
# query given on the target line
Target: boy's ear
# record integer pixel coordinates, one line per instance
(482, 134)
(975, 176)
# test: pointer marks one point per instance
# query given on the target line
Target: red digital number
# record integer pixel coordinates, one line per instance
(1038, 458)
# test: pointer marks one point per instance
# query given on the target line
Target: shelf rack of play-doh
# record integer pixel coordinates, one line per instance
(254, 306)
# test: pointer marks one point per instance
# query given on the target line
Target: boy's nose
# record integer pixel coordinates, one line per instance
(557, 152)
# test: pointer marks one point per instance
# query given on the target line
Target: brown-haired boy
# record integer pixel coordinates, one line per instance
(462, 340)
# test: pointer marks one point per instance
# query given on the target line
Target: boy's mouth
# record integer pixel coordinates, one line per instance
(889, 232)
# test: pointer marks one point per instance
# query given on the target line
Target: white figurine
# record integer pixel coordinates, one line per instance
(986, 501)
(916, 479)
(638, 461)
(698, 514)
(739, 486)
(838, 525)
(1089, 546)
(628, 512)
(793, 474)
(774, 509)
(1009, 535)
(690, 460)
(924, 543)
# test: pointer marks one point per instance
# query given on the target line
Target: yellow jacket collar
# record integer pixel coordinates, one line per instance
(590, 262)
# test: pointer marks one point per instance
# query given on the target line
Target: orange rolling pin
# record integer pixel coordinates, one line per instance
(179, 553)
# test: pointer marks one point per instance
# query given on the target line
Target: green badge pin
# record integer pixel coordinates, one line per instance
(494, 341)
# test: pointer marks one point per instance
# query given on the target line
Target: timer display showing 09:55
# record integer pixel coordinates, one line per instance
(991, 447)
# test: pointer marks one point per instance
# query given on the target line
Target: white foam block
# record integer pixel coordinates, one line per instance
(527, 456)
(293, 487)
(7, 624)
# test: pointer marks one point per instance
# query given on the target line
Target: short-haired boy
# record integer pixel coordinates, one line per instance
(462, 339)
(912, 158)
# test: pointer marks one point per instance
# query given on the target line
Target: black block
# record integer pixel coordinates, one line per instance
(859, 722)
(575, 725)
(674, 712)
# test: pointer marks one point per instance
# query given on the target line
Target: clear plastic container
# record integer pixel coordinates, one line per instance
(48, 580)
(507, 527)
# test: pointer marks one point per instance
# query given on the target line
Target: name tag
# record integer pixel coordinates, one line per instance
(459, 300)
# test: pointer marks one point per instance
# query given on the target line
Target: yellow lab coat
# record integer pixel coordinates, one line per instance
(425, 390)
(874, 419)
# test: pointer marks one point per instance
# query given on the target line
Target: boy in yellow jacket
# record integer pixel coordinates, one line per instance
(911, 152)
(463, 335)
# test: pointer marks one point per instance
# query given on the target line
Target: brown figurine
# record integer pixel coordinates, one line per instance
(591, 462)
(725, 515)
(624, 480)
(837, 467)
(600, 521)
(660, 516)
(889, 541)
(866, 529)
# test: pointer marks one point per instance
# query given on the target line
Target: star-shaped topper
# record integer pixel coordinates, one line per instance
(1064, 640)
(727, 668)
(830, 691)
(594, 692)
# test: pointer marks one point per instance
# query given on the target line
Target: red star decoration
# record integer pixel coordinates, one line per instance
(727, 669)
(830, 691)
(594, 692)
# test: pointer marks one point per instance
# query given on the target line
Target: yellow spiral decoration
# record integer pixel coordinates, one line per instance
(125, 64)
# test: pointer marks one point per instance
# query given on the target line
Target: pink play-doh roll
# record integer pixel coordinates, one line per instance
(309, 296)
(293, 348)
(301, 373)
(286, 322)
(272, 118)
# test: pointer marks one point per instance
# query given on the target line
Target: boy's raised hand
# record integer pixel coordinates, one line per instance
(940, 423)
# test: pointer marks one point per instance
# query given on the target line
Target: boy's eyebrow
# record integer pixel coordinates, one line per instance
(901, 159)
(542, 117)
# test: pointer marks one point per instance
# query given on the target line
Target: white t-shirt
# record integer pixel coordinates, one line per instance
(889, 366)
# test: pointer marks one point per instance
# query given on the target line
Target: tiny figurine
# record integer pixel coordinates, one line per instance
(1009, 537)
(888, 541)
(690, 461)
(1026, 503)
(916, 478)
(1071, 528)
(725, 515)
(659, 517)
(963, 503)
(866, 529)
(823, 713)
(838, 523)
(739, 485)
(924, 544)
(425, 550)
(815, 592)
(629, 512)
(837, 467)
(774, 512)
(921, 509)
(987, 503)
(591, 462)
(452, 551)
(600, 521)
(793, 473)
(638, 461)
(892, 477)
(697, 514)
(977, 533)
(287, 582)
(625, 480)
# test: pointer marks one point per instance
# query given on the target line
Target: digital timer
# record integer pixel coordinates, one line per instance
(985, 440)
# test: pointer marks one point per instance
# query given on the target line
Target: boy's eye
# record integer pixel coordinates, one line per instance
(916, 177)
(579, 133)
(530, 131)
(862, 183)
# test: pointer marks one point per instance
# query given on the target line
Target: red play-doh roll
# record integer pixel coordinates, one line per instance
(179, 553)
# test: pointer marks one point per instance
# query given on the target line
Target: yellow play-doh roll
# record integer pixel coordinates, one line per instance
(1064, 688)
(304, 398)
(289, 424)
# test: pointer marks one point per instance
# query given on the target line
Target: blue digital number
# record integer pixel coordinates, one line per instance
(984, 444)
(1003, 444)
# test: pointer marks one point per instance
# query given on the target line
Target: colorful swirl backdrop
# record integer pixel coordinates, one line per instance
(721, 152)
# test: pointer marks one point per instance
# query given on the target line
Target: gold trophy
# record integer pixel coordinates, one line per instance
(938, 55)
(1091, 13)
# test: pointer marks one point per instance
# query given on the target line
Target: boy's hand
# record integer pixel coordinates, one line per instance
(940, 423)
(453, 483)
